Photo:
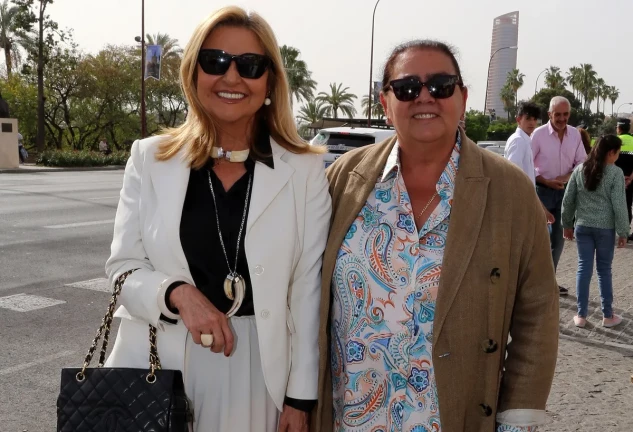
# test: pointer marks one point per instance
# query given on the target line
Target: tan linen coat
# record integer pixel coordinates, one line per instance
(497, 279)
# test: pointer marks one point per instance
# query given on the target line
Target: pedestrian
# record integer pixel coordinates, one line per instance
(557, 149)
(104, 148)
(595, 198)
(227, 214)
(438, 250)
(518, 149)
(23, 154)
(625, 162)
(4, 108)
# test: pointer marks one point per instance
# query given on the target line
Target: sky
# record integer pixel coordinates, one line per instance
(334, 36)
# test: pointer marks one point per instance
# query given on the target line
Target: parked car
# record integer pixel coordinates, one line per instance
(343, 139)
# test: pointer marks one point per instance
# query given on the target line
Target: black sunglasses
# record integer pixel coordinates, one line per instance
(440, 86)
(218, 62)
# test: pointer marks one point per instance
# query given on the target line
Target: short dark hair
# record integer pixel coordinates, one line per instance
(624, 127)
(529, 109)
(419, 44)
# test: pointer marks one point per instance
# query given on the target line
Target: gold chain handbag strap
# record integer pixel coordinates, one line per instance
(104, 330)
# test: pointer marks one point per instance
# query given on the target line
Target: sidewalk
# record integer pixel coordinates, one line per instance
(32, 168)
(592, 388)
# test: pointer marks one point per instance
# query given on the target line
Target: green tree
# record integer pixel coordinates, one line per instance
(477, 125)
(12, 36)
(614, 94)
(312, 111)
(171, 48)
(377, 111)
(573, 79)
(302, 86)
(515, 81)
(21, 95)
(32, 12)
(338, 99)
(554, 79)
(508, 97)
(588, 77)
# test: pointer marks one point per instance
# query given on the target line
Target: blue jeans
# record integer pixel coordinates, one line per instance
(553, 202)
(601, 242)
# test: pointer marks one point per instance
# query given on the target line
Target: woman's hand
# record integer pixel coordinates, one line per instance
(622, 242)
(293, 420)
(568, 233)
(201, 317)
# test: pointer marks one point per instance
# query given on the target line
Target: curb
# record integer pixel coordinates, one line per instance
(60, 169)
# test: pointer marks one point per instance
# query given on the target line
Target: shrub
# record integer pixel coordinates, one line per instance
(84, 158)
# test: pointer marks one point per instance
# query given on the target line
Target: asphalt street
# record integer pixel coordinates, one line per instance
(55, 230)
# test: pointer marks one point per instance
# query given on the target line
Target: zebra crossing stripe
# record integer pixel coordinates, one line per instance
(100, 284)
(27, 302)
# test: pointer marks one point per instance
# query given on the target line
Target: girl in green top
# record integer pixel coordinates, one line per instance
(595, 198)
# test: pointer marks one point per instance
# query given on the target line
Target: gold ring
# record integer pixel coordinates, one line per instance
(206, 340)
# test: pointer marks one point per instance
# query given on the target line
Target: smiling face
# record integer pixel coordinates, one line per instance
(559, 115)
(425, 119)
(229, 98)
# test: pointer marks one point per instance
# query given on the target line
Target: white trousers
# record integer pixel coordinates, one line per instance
(229, 393)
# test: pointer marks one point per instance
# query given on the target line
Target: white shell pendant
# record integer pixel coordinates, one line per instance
(240, 289)
(228, 287)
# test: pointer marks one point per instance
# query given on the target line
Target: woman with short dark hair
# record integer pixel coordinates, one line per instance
(437, 251)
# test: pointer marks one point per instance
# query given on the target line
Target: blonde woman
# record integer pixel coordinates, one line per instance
(227, 214)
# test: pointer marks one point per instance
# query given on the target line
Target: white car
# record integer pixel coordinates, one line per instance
(342, 139)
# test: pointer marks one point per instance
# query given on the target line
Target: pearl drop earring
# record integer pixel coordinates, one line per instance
(267, 101)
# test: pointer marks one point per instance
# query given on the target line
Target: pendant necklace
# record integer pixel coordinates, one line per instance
(234, 285)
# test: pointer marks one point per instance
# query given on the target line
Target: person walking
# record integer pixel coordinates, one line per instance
(595, 198)
(625, 162)
(557, 149)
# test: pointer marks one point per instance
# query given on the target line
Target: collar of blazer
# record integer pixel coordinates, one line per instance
(468, 208)
(170, 180)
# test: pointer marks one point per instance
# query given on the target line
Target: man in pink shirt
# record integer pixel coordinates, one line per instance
(557, 150)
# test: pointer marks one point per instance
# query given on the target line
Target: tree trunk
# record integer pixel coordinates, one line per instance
(7, 59)
(41, 133)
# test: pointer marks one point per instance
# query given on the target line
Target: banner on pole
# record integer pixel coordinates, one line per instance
(153, 57)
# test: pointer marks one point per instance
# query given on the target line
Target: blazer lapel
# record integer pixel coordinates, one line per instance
(170, 179)
(267, 184)
(469, 205)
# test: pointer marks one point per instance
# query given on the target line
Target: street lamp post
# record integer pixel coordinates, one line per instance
(143, 115)
(536, 84)
(371, 65)
(617, 113)
(488, 75)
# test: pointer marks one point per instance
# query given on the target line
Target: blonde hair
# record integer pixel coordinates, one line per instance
(199, 132)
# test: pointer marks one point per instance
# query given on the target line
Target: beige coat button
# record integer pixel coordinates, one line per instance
(259, 270)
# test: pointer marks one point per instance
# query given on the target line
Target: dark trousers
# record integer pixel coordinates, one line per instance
(629, 201)
(553, 202)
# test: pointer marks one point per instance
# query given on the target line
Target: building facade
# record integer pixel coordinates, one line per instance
(505, 33)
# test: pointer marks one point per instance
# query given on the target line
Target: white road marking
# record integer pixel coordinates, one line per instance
(27, 303)
(37, 362)
(100, 284)
(104, 198)
(80, 224)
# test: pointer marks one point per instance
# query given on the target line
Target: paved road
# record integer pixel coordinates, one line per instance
(55, 230)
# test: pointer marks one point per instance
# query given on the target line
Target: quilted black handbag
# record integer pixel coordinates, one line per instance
(122, 399)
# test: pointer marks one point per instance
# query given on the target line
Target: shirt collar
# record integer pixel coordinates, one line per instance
(392, 167)
(523, 134)
(551, 129)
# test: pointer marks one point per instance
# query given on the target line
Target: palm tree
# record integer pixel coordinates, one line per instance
(588, 77)
(12, 37)
(312, 112)
(614, 94)
(553, 78)
(515, 82)
(338, 99)
(508, 97)
(377, 109)
(171, 48)
(302, 86)
(573, 79)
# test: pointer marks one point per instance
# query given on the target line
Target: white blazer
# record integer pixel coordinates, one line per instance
(286, 233)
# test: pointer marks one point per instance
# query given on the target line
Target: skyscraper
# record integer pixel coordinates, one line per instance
(505, 33)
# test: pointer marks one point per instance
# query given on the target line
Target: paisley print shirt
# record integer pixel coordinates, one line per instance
(384, 290)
